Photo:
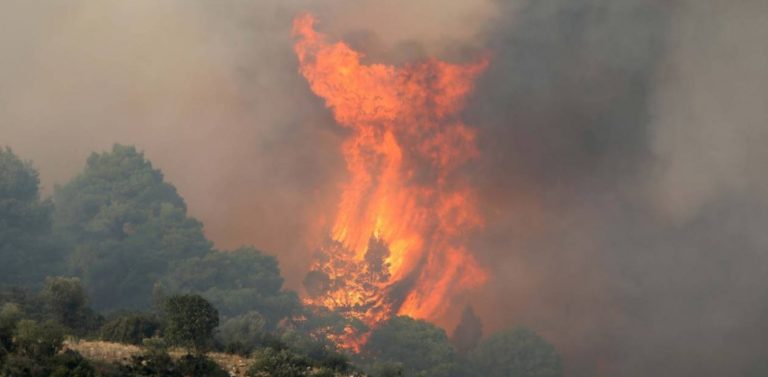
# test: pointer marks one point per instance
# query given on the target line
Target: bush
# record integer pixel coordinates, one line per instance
(420, 347)
(130, 328)
(153, 362)
(386, 369)
(242, 334)
(67, 304)
(66, 364)
(71, 364)
(38, 341)
(283, 363)
(23, 366)
(10, 315)
(190, 322)
(519, 352)
(201, 366)
(236, 282)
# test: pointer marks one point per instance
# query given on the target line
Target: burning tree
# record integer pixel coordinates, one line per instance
(397, 244)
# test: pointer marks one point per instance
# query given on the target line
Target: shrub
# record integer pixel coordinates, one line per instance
(199, 365)
(38, 341)
(190, 322)
(130, 328)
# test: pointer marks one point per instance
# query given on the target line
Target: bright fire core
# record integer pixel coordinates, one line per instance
(397, 243)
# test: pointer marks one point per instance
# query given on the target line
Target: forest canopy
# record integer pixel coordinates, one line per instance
(115, 256)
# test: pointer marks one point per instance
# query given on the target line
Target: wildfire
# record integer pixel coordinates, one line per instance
(396, 245)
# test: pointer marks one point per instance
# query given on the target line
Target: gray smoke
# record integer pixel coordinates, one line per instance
(209, 90)
(621, 167)
(622, 148)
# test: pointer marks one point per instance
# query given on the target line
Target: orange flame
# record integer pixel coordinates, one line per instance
(397, 243)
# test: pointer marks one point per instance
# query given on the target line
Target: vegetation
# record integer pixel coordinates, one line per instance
(190, 322)
(419, 346)
(236, 282)
(131, 328)
(468, 332)
(126, 226)
(517, 352)
(36, 350)
(27, 249)
(118, 237)
(243, 334)
(67, 304)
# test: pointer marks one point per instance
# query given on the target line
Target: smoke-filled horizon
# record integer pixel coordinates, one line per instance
(621, 167)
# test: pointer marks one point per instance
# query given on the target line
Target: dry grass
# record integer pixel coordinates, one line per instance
(121, 353)
(235, 365)
(103, 351)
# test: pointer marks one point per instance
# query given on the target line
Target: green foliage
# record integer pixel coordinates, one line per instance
(126, 225)
(236, 282)
(199, 365)
(10, 315)
(153, 362)
(29, 302)
(71, 364)
(269, 362)
(132, 241)
(34, 349)
(519, 352)
(243, 333)
(67, 304)
(335, 362)
(130, 328)
(311, 330)
(318, 349)
(27, 249)
(379, 369)
(287, 362)
(191, 321)
(23, 366)
(421, 347)
(38, 340)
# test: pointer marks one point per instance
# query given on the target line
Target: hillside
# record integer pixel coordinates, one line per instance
(109, 352)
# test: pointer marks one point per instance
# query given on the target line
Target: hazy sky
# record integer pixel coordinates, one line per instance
(622, 168)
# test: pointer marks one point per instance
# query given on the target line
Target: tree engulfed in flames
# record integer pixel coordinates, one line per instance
(397, 243)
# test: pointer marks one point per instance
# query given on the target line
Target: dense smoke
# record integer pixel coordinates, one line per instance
(622, 148)
(210, 91)
(623, 143)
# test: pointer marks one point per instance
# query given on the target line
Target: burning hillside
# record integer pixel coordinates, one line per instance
(397, 244)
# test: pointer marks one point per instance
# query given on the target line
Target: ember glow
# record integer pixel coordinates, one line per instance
(397, 242)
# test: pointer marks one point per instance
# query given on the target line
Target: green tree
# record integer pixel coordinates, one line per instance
(10, 315)
(71, 364)
(130, 328)
(468, 332)
(242, 334)
(190, 322)
(419, 346)
(153, 362)
(126, 225)
(199, 365)
(38, 341)
(67, 304)
(23, 366)
(236, 282)
(27, 249)
(519, 352)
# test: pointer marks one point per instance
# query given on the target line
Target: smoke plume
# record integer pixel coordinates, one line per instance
(621, 167)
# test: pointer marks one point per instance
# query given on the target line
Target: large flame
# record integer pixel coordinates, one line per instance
(397, 243)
